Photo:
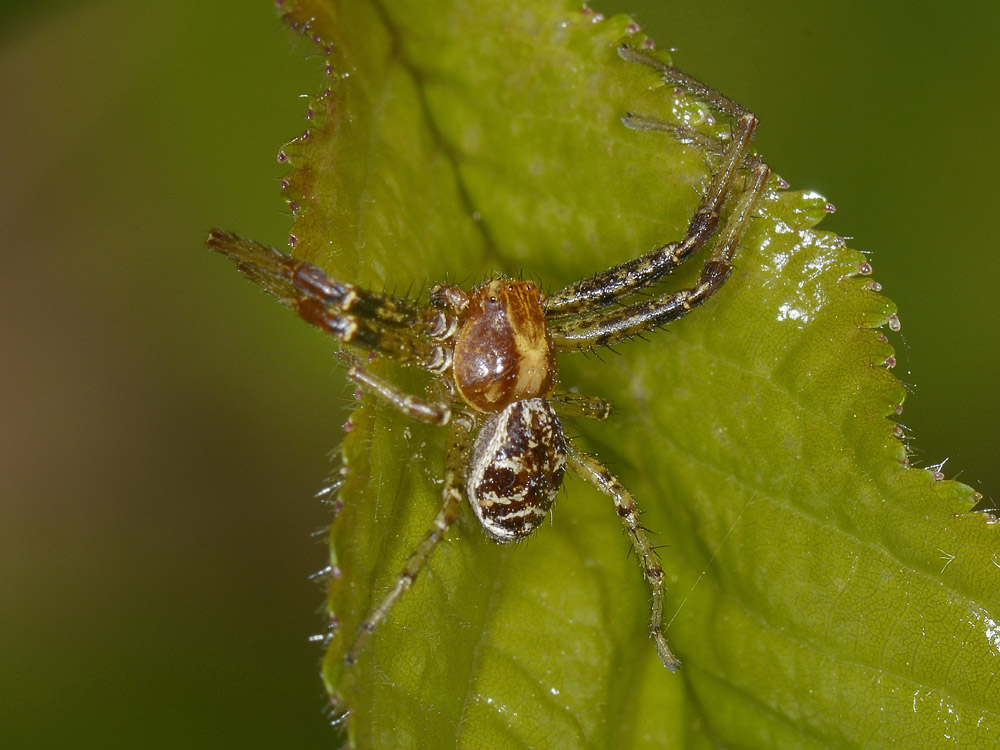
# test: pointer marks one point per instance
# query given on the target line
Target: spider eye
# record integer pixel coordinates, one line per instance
(493, 299)
(510, 287)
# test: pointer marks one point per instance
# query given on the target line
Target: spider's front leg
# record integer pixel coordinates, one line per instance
(590, 469)
(398, 327)
(460, 437)
(607, 327)
(608, 287)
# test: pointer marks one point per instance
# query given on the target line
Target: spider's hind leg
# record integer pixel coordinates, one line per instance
(460, 436)
(591, 470)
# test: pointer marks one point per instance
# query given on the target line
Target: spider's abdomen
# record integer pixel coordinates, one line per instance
(504, 352)
(517, 467)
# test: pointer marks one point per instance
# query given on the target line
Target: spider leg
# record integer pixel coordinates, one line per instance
(390, 325)
(715, 98)
(567, 404)
(688, 135)
(459, 445)
(607, 327)
(590, 469)
(412, 406)
(608, 286)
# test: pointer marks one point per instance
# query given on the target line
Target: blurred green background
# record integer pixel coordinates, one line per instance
(165, 424)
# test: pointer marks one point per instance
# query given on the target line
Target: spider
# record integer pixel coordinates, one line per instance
(493, 349)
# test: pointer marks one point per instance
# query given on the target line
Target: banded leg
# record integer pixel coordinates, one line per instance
(590, 469)
(611, 285)
(412, 406)
(459, 444)
(378, 322)
(608, 327)
(607, 287)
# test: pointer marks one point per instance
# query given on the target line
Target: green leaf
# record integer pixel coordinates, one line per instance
(821, 592)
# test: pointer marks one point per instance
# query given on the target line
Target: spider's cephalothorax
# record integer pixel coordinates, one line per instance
(503, 352)
(494, 349)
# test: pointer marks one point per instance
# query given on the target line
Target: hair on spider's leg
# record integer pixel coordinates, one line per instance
(593, 471)
(460, 436)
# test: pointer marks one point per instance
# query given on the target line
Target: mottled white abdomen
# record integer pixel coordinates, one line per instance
(517, 467)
